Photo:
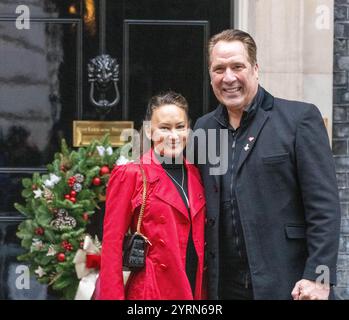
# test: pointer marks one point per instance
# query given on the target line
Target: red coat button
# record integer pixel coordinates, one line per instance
(163, 266)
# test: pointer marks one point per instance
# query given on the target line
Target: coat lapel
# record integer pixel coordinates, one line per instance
(252, 137)
(163, 187)
(166, 191)
(195, 190)
(219, 151)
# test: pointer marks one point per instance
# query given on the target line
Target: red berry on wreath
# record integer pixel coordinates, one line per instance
(39, 231)
(85, 216)
(96, 181)
(72, 199)
(73, 193)
(61, 257)
(63, 168)
(67, 196)
(104, 170)
(34, 187)
(66, 245)
(71, 181)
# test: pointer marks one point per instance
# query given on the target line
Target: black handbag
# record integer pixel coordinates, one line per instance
(135, 245)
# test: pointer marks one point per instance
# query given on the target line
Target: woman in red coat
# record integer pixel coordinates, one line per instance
(174, 215)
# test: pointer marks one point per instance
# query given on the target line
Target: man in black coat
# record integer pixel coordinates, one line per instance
(273, 213)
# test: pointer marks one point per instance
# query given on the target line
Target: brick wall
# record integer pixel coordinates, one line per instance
(341, 135)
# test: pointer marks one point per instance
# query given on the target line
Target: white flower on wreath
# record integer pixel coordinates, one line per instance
(36, 245)
(101, 150)
(40, 272)
(51, 251)
(50, 183)
(38, 193)
(122, 160)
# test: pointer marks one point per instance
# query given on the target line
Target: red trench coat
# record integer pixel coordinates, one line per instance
(165, 223)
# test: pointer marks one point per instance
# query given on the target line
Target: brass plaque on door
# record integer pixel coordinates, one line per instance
(84, 132)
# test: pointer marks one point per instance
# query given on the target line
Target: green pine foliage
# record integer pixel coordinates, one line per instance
(49, 241)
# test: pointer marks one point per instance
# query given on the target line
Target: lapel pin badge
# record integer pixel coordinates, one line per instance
(250, 139)
(247, 147)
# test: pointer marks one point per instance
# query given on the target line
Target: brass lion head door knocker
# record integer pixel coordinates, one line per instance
(103, 73)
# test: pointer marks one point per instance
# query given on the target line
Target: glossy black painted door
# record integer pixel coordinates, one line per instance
(159, 44)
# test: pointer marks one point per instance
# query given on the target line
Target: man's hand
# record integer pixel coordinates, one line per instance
(310, 290)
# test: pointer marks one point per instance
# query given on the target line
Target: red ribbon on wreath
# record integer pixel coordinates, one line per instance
(93, 261)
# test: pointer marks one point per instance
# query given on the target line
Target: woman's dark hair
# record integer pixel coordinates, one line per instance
(169, 97)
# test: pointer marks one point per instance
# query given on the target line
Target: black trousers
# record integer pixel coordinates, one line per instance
(236, 286)
(236, 291)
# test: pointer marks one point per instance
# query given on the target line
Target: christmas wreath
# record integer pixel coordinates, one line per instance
(58, 207)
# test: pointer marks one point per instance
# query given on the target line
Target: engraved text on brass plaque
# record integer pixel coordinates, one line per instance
(84, 132)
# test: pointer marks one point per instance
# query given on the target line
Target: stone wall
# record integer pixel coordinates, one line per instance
(341, 134)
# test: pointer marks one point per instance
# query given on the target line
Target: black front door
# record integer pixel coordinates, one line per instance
(45, 46)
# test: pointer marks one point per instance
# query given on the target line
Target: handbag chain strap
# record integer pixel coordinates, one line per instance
(144, 198)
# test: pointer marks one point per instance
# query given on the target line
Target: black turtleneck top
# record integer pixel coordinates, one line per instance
(175, 167)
